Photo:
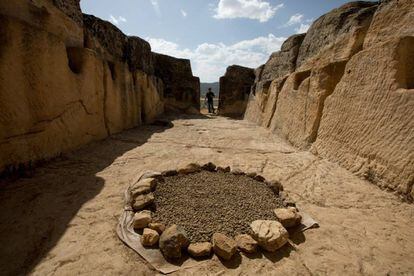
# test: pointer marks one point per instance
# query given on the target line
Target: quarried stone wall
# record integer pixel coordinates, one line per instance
(181, 88)
(67, 79)
(235, 88)
(350, 96)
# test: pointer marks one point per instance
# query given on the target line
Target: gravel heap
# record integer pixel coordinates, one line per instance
(207, 202)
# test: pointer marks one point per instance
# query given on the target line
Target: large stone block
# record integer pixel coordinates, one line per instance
(368, 122)
(338, 34)
(51, 97)
(181, 88)
(235, 88)
(392, 19)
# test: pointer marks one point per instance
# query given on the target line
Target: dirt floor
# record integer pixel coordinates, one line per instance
(62, 219)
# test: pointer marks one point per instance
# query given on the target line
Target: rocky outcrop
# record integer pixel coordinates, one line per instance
(67, 79)
(181, 88)
(71, 8)
(283, 62)
(350, 96)
(235, 88)
(348, 23)
(368, 122)
(279, 65)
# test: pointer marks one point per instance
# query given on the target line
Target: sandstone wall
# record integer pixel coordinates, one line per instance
(181, 88)
(350, 97)
(67, 79)
(235, 88)
(368, 122)
(279, 65)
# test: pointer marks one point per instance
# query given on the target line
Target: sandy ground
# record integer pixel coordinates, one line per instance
(62, 219)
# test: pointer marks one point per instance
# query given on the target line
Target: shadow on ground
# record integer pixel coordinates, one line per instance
(36, 211)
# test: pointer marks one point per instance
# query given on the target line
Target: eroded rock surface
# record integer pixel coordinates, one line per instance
(172, 241)
(68, 79)
(223, 246)
(349, 90)
(181, 88)
(149, 237)
(235, 88)
(246, 243)
(200, 249)
(270, 235)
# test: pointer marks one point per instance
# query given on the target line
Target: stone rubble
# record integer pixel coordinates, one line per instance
(288, 217)
(200, 249)
(271, 235)
(246, 243)
(142, 219)
(223, 246)
(172, 241)
(149, 237)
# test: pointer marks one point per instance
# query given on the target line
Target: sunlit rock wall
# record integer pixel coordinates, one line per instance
(67, 79)
(351, 95)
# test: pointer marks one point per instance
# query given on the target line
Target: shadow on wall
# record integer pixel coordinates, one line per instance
(35, 212)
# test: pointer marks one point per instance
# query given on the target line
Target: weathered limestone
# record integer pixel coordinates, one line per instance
(288, 217)
(234, 90)
(142, 219)
(223, 246)
(270, 235)
(181, 88)
(68, 79)
(393, 19)
(200, 249)
(149, 237)
(367, 123)
(329, 44)
(350, 95)
(190, 168)
(45, 107)
(142, 201)
(246, 243)
(35, 13)
(339, 33)
(172, 241)
(71, 8)
(283, 62)
(159, 227)
(301, 100)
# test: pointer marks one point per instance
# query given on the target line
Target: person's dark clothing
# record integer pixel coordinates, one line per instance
(210, 96)
(210, 101)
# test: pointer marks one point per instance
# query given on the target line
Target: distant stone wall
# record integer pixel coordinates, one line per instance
(67, 79)
(350, 96)
(235, 88)
(181, 88)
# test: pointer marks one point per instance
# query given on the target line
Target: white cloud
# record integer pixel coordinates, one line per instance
(253, 9)
(303, 28)
(156, 7)
(183, 13)
(295, 19)
(209, 61)
(117, 20)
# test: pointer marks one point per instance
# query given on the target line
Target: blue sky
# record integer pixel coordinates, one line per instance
(213, 34)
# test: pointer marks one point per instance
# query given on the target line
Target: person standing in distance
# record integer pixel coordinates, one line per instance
(210, 101)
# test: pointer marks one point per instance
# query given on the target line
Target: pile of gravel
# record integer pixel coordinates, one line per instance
(207, 202)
